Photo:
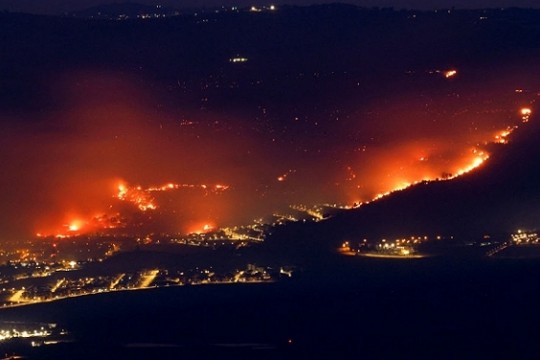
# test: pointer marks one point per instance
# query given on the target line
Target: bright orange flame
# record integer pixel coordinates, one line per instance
(75, 225)
(137, 196)
(122, 191)
(525, 114)
(450, 73)
(501, 137)
(526, 111)
(477, 162)
(202, 229)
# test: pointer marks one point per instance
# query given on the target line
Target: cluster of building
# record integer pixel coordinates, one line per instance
(384, 247)
(400, 247)
(31, 285)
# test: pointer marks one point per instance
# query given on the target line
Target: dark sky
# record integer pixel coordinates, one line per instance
(58, 6)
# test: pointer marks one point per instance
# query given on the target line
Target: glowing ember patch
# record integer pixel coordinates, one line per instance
(284, 176)
(501, 138)
(476, 158)
(202, 229)
(136, 196)
(142, 198)
(122, 190)
(525, 114)
(477, 162)
(75, 226)
(450, 73)
(526, 111)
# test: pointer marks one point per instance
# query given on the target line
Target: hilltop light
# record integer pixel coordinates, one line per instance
(450, 73)
(238, 60)
(525, 114)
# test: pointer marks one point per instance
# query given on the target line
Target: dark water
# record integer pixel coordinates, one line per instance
(347, 308)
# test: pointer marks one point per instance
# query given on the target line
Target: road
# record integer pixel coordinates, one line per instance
(148, 278)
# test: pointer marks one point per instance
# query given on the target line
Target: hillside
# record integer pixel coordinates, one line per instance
(500, 197)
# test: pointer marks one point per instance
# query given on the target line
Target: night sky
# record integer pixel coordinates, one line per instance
(59, 6)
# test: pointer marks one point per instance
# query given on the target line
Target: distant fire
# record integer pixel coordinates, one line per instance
(525, 114)
(202, 228)
(142, 199)
(137, 196)
(476, 159)
(171, 186)
(501, 137)
(401, 175)
(226, 168)
(526, 111)
(75, 226)
(285, 175)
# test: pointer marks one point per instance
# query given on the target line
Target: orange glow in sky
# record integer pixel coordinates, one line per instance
(112, 162)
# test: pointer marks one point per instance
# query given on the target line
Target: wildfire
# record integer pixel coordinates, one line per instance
(501, 137)
(74, 227)
(172, 186)
(478, 158)
(137, 196)
(525, 114)
(477, 161)
(450, 73)
(202, 229)
(142, 198)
